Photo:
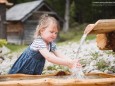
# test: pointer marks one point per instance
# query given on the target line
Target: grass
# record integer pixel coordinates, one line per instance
(15, 48)
(74, 35)
(102, 65)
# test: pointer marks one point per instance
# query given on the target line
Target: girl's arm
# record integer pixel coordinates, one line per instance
(55, 59)
(59, 54)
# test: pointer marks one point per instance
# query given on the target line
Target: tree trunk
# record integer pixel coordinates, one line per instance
(66, 24)
(2, 21)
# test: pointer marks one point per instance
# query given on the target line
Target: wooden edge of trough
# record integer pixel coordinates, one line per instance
(61, 82)
(55, 74)
(108, 80)
(59, 73)
(105, 75)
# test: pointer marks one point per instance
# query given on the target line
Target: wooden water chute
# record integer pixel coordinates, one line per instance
(105, 30)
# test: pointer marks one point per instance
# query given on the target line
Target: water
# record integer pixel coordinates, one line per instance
(78, 72)
(81, 43)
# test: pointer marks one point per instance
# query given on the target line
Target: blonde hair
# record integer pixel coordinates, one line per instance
(44, 20)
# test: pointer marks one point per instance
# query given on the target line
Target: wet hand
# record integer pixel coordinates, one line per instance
(76, 64)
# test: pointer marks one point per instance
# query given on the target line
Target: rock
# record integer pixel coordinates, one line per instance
(107, 71)
(1, 60)
(5, 50)
(96, 71)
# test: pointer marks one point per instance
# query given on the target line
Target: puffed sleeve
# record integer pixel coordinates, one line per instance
(38, 44)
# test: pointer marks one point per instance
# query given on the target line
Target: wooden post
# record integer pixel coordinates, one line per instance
(3, 25)
(3, 34)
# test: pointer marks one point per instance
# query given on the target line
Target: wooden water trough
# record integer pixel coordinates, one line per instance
(53, 80)
(105, 30)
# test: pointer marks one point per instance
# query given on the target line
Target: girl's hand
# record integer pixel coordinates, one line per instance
(76, 63)
(89, 28)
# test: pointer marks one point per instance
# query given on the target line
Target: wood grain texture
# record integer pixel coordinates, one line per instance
(103, 26)
(106, 80)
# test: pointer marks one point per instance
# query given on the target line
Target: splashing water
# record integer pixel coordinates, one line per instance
(78, 72)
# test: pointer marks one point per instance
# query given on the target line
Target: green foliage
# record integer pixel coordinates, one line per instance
(15, 48)
(91, 36)
(58, 6)
(74, 34)
(54, 68)
(81, 11)
(113, 69)
(57, 68)
(94, 55)
(2, 42)
(19, 1)
(102, 65)
(109, 52)
(72, 12)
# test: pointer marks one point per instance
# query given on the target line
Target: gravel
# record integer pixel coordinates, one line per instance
(92, 59)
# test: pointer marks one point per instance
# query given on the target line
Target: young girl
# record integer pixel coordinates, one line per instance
(32, 60)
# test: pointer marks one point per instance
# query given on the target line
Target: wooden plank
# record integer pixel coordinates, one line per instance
(105, 75)
(33, 76)
(103, 26)
(61, 82)
(58, 82)
(3, 34)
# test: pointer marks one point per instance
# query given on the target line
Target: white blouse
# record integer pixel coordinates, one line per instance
(39, 43)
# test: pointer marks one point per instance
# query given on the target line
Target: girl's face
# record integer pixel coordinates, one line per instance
(49, 33)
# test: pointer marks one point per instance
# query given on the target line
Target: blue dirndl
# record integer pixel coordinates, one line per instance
(30, 62)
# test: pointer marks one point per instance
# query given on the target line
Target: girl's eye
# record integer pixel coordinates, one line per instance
(53, 32)
(56, 33)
